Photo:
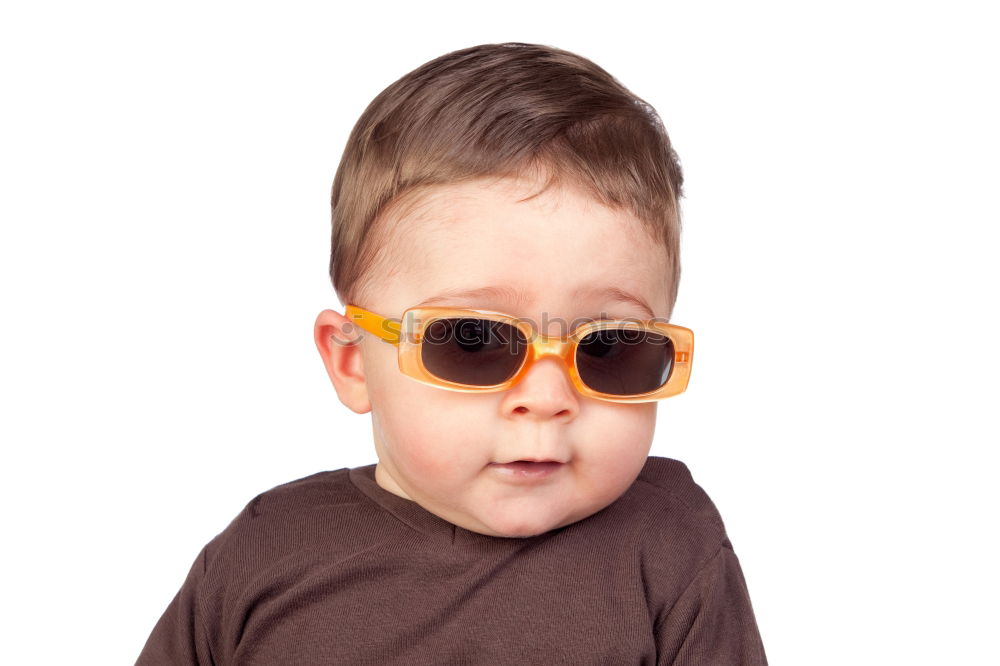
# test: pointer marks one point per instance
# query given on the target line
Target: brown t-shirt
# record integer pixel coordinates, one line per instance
(334, 569)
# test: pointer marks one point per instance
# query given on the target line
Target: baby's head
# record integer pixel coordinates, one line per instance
(516, 179)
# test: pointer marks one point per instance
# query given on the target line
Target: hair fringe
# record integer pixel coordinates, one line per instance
(500, 110)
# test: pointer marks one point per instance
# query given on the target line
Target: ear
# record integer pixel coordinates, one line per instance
(339, 343)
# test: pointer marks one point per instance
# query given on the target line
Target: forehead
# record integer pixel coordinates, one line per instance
(483, 244)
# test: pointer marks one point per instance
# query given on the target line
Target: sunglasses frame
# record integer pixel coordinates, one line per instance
(407, 338)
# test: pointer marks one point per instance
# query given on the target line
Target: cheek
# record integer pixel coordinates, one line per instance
(627, 427)
(434, 435)
(619, 445)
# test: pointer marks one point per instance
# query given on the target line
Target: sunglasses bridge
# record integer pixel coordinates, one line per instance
(542, 346)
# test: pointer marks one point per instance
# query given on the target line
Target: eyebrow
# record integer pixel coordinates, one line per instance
(511, 297)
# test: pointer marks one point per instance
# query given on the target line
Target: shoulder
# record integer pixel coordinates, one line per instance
(682, 527)
(670, 482)
(310, 513)
(280, 535)
(316, 491)
(287, 527)
(697, 596)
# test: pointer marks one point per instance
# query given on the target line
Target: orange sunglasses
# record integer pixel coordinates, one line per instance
(482, 351)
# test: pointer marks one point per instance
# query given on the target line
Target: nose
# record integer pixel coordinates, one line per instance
(544, 392)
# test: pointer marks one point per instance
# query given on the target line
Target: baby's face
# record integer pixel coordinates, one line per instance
(441, 448)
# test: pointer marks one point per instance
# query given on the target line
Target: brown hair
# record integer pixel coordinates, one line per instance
(499, 110)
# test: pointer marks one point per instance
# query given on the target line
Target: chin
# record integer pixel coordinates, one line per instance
(520, 528)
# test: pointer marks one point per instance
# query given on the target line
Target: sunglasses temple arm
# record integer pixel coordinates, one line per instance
(377, 325)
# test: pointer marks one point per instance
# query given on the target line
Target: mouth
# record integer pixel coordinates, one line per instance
(528, 470)
(531, 460)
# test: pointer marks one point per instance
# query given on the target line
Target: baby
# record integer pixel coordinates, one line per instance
(505, 240)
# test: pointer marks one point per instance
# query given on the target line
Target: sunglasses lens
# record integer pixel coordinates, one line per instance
(623, 361)
(474, 352)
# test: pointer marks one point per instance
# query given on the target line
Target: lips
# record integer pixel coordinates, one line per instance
(527, 469)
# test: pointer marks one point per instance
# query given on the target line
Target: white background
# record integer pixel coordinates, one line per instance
(165, 237)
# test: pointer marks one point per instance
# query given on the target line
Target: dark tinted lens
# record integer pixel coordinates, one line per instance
(623, 361)
(478, 352)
